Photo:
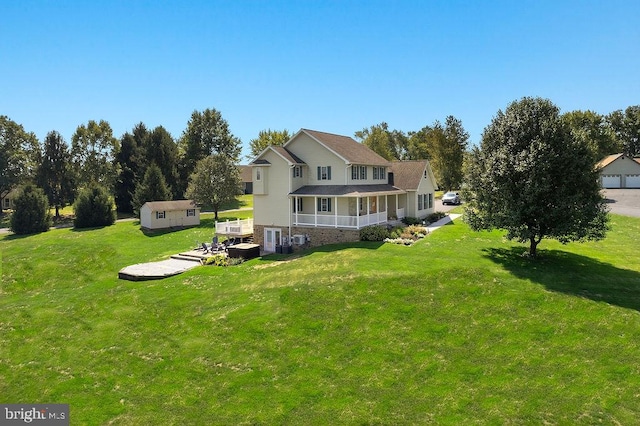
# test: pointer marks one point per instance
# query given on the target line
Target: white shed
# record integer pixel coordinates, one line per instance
(169, 214)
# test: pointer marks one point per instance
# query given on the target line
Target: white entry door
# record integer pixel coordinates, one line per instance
(272, 237)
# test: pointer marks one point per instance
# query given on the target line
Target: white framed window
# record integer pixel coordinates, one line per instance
(378, 173)
(354, 172)
(160, 215)
(420, 202)
(258, 177)
(297, 171)
(363, 172)
(324, 204)
(191, 212)
(297, 205)
(324, 172)
(430, 200)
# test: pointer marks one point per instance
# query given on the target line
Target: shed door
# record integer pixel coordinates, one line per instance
(611, 181)
(633, 181)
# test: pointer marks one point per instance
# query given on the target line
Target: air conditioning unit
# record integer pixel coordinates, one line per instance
(299, 239)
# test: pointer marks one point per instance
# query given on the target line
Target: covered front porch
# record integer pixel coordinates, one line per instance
(349, 211)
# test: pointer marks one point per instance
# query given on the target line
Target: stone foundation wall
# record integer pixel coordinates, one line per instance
(323, 236)
(317, 236)
(258, 235)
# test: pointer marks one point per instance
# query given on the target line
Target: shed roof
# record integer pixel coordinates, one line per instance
(171, 205)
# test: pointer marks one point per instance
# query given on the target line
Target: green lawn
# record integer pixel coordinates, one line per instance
(457, 329)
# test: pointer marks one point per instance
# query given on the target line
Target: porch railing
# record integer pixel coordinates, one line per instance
(337, 221)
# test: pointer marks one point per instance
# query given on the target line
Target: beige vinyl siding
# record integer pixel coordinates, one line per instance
(314, 155)
(271, 207)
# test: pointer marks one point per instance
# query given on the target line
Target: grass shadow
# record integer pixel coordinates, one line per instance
(573, 274)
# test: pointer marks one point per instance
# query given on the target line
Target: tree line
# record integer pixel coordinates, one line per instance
(142, 165)
(446, 145)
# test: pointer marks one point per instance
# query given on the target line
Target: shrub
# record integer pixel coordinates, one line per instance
(435, 216)
(411, 221)
(373, 233)
(94, 207)
(222, 260)
(31, 211)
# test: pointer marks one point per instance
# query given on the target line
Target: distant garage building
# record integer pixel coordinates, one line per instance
(169, 214)
(620, 171)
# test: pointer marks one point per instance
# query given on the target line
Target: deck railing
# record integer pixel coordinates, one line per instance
(235, 227)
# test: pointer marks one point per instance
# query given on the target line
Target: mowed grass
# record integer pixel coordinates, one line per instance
(458, 329)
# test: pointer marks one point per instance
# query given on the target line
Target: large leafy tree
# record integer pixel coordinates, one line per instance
(215, 181)
(93, 151)
(390, 144)
(19, 155)
(31, 213)
(207, 133)
(152, 188)
(626, 125)
(532, 178)
(55, 175)
(445, 147)
(267, 138)
(593, 130)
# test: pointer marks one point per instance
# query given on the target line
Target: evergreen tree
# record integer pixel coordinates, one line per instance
(54, 173)
(94, 207)
(31, 211)
(152, 188)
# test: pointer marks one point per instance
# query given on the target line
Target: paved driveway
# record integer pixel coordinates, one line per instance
(624, 201)
(439, 207)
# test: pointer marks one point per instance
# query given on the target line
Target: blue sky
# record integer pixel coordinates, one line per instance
(334, 66)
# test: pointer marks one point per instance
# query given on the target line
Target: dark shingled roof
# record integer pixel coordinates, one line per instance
(171, 205)
(352, 151)
(407, 174)
(347, 190)
(290, 156)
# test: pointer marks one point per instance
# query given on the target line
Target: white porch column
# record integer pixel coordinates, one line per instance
(315, 209)
(335, 215)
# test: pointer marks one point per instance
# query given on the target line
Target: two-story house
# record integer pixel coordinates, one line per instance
(320, 188)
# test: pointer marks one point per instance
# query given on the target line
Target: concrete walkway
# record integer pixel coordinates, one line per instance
(444, 221)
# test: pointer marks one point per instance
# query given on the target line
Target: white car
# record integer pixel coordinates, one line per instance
(451, 198)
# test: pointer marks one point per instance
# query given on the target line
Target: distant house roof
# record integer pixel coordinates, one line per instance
(408, 174)
(245, 173)
(171, 205)
(346, 190)
(350, 150)
(608, 160)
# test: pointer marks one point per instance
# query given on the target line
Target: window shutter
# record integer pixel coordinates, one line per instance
(319, 204)
(328, 204)
(319, 173)
(328, 172)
